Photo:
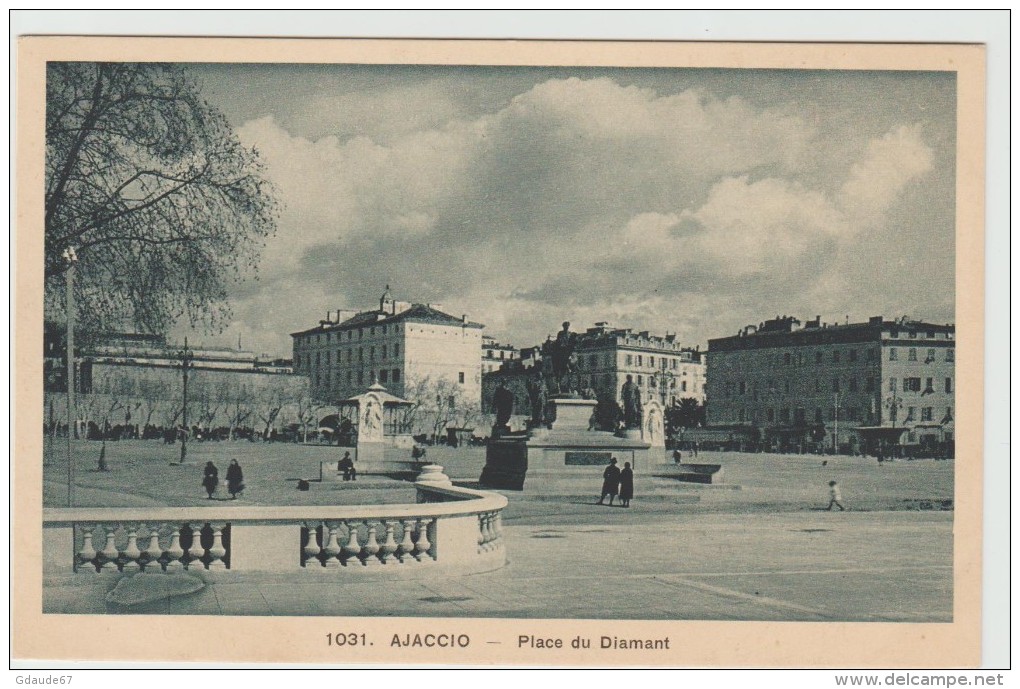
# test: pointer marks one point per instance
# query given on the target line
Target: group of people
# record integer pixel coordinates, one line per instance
(235, 479)
(617, 482)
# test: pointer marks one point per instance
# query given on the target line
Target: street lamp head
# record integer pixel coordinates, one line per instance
(70, 256)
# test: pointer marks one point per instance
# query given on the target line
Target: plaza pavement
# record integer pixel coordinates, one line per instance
(813, 565)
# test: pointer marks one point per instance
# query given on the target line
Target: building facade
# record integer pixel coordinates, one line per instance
(661, 367)
(495, 354)
(814, 385)
(136, 381)
(402, 346)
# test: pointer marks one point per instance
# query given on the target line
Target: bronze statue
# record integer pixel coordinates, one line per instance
(561, 354)
(631, 403)
(503, 403)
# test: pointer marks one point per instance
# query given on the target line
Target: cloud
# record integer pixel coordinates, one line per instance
(578, 199)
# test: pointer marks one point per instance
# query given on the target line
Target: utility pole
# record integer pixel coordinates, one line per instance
(71, 259)
(185, 363)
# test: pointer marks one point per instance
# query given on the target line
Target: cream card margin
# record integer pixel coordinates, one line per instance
(302, 640)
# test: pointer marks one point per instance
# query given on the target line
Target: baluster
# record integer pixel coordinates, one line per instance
(131, 553)
(490, 530)
(499, 529)
(174, 552)
(312, 549)
(196, 551)
(331, 551)
(481, 532)
(87, 554)
(152, 551)
(109, 553)
(422, 547)
(216, 550)
(370, 550)
(352, 549)
(389, 546)
(406, 548)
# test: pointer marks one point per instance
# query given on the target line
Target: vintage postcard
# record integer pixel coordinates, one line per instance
(492, 352)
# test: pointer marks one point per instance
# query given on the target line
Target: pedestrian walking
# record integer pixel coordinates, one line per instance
(235, 479)
(834, 496)
(610, 481)
(210, 478)
(626, 485)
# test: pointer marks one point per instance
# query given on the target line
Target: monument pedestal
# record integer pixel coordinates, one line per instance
(568, 449)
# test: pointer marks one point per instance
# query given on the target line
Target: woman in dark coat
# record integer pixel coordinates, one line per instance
(235, 479)
(610, 481)
(210, 479)
(626, 485)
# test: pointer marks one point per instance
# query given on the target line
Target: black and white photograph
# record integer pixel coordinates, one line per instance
(599, 342)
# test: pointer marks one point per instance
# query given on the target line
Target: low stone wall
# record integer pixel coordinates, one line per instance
(455, 529)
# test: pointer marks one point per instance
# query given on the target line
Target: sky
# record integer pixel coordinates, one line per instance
(687, 201)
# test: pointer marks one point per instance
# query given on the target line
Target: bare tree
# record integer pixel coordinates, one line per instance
(152, 188)
(307, 413)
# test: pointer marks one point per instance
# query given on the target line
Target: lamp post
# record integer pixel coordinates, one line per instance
(72, 259)
(185, 364)
(835, 424)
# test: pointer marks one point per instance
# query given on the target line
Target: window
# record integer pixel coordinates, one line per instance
(927, 413)
(869, 384)
(318, 359)
(786, 358)
(740, 415)
(361, 333)
(798, 416)
(630, 360)
(651, 382)
(384, 352)
(593, 362)
(383, 375)
(396, 351)
(853, 385)
(327, 358)
(350, 377)
(640, 379)
(835, 356)
(460, 377)
(651, 362)
(949, 415)
(361, 378)
(835, 384)
(786, 387)
(818, 357)
(950, 355)
(396, 375)
(853, 355)
(741, 388)
(912, 354)
(930, 357)
(818, 415)
(869, 354)
(929, 385)
(639, 362)
(350, 353)
(910, 414)
(784, 415)
(911, 385)
(892, 354)
(371, 331)
(770, 414)
(949, 384)
(361, 354)
(818, 385)
(892, 385)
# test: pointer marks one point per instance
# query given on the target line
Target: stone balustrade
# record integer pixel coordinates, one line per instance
(448, 527)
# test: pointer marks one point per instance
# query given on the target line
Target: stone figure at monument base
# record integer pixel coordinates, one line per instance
(631, 396)
(503, 402)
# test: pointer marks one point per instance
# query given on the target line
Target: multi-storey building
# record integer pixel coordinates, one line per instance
(816, 384)
(400, 345)
(495, 354)
(137, 380)
(604, 356)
